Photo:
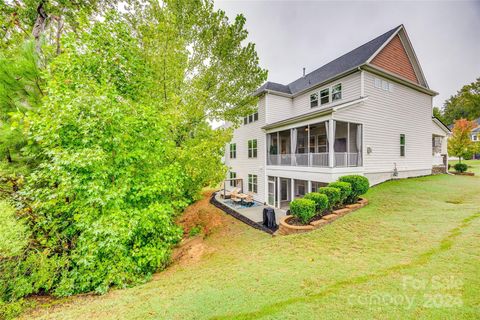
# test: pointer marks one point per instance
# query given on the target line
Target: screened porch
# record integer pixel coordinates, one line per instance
(325, 144)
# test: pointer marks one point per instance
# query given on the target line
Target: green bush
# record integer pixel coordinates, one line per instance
(303, 209)
(359, 185)
(345, 190)
(321, 201)
(13, 232)
(460, 167)
(333, 195)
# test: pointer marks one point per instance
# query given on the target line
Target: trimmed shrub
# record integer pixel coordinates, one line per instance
(303, 209)
(359, 184)
(345, 190)
(321, 200)
(460, 167)
(333, 195)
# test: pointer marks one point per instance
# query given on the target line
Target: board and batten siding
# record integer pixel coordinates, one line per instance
(385, 115)
(281, 108)
(242, 165)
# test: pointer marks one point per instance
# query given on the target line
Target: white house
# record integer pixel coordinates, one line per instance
(368, 112)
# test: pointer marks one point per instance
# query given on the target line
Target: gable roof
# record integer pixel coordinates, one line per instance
(343, 64)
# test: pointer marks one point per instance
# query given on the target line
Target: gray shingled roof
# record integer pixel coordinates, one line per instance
(348, 61)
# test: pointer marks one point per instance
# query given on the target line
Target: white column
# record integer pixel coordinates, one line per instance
(277, 192)
(331, 143)
(292, 191)
(309, 189)
(308, 146)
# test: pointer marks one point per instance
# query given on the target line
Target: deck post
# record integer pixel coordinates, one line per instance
(331, 144)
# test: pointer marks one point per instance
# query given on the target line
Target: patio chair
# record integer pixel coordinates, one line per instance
(249, 200)
(236, 199)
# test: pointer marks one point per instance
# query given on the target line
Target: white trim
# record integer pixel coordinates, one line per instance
(441, 125)
(417, 62)
(384, 44)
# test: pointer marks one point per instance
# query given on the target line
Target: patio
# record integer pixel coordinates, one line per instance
(254, 213)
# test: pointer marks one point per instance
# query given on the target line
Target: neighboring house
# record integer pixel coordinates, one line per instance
(476, 136)
(368, 112)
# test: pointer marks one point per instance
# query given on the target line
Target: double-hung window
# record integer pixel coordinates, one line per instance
(252, 148)
(233, 150)
(252, 183)
(325, 96)
(314, 100)
(233, 176)
(402, 145)
(337, 92)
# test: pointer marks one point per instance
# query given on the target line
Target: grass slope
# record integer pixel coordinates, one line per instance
(473, 165)
(413, 252)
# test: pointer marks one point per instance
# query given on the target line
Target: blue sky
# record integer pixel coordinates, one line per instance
(290, 35)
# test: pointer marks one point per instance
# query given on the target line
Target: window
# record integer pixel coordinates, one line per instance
(233, 150)
(252, 183)
(474, 137)
(325, 96)
(233, 175)
(390, 87)
(337, 92)
(252, 148)
(382, 84)
(316, 185)
(250, 118)
(402, 145)
(314, 100)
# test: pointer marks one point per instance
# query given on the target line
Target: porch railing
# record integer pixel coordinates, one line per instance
(346, 159)
(299, 159)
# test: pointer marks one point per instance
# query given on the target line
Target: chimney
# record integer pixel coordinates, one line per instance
(304, 71)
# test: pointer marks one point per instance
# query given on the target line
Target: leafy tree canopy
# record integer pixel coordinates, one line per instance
(460, 144)
(120, 136)
(464, 105)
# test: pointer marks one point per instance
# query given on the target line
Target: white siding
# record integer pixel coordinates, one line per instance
(282, 108)
(278, 108)
(386, 115)
(350, 91)
(242, 165)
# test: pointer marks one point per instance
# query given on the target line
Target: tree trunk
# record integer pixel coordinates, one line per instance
(9, 156)
(39, 26)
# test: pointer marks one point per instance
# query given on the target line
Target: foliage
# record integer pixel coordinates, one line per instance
(196, 230)
(122, 142)
(345, 190)
(459, 144)
(303, 209)
(460, 167)
(464, 105)
(438, 113)
(360, 185)
(321, 201)
(13, 233)
(333, 195)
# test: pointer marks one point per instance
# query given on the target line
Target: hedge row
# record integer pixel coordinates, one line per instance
(344, 191)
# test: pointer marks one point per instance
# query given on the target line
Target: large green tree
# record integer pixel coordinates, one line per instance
(122, 142)
(463, 105)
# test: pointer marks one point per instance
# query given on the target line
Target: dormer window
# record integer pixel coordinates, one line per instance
(325, 96)
(337, 92)
(314, 100)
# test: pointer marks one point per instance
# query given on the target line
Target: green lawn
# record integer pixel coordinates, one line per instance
(473, 165)
(413, 252)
